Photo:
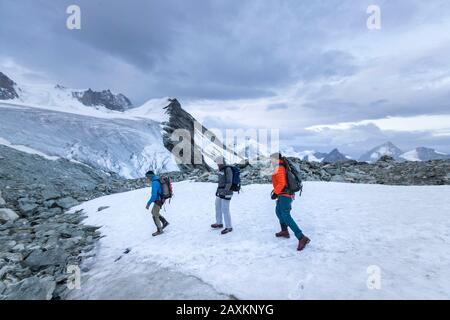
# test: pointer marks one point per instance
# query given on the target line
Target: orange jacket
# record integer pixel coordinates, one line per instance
(279, 180)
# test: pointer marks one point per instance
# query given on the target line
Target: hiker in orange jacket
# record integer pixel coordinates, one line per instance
(284, 202)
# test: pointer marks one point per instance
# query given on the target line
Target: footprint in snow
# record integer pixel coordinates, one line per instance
(127, 251)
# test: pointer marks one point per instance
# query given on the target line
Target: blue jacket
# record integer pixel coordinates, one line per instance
(156, 190)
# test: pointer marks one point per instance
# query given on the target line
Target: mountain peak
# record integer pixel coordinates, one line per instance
(385, 149)
(334, 156)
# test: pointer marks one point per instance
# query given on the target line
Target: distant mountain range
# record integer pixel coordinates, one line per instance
(60, 95)
(313, 156)
(371, 156)
(389, 149)
(104, 130)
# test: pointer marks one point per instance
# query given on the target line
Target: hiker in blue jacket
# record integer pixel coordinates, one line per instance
(160, 222)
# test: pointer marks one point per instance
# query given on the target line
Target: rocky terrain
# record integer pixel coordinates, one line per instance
(385, 171)
(38, 239)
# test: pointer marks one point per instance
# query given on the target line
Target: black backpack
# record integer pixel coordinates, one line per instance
(236, 180)
(293, 178)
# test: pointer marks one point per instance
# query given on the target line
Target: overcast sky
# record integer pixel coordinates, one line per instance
(310, 68)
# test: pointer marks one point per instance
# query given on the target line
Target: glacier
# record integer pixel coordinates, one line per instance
(113, 142)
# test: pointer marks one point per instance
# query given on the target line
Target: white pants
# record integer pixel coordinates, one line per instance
(223, 211)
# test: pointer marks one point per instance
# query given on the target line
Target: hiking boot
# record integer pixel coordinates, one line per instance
(217, 226)
(303, 242)
(226, 230)
(283, 234)
(165, 223)
(157, 233)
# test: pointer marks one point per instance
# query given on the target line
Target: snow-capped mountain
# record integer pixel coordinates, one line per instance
(305, 155)
(335, 156)
(315, 156)
(424, 154)
(50, 120)
(386, 149)
(44, 95)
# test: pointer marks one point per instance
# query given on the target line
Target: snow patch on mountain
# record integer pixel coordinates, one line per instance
(424, 154)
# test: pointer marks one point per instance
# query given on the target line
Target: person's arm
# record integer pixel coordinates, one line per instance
(155, 190)
(280, 180)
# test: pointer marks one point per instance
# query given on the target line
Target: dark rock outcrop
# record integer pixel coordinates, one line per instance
(180, 119)
(105, 98)
(7, 88)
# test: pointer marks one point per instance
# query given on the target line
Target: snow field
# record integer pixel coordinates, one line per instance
(405, 231)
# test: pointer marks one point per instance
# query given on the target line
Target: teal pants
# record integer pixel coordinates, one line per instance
(283, 211)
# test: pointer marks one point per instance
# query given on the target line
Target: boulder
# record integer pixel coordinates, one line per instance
(33, 288)
(7, 215)
(50, 193)
(39, 258)
(27, 206)
(67, 202)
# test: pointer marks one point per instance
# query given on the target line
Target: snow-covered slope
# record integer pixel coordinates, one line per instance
(424, 154)
(401, 230)
(386, 149)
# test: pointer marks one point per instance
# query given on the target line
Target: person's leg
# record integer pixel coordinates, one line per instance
(285, 211)
(218, 211)
(226, 213)
(283, 225)
(156, 217)
(165, 223)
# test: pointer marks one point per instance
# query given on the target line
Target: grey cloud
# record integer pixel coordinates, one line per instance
(250, 49)
(276, 106)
